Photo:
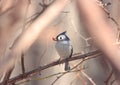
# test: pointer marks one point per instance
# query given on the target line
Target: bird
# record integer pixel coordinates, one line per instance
(64, 48)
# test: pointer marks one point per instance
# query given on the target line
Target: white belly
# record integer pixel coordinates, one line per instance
(63, 49)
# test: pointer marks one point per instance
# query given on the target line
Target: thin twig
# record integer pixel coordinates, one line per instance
(109, 77)
(113, 81)
(83, 81)
(89, 78)
(63, 75)
(7, 76)
(49, 76)
(58, 78)
(102, 5)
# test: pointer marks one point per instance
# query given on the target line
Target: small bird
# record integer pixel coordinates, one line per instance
(64, 48)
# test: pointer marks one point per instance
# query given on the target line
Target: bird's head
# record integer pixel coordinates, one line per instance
(62, 37)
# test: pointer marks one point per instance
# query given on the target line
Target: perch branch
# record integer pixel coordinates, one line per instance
(37, 70)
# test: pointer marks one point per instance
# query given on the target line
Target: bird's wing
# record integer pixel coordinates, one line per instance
(71, 51)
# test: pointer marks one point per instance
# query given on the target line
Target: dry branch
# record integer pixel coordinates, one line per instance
(37, 70)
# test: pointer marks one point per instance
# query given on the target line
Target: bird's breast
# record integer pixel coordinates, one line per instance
(63, 49)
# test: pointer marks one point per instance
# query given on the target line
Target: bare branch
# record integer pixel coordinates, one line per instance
(39, 69)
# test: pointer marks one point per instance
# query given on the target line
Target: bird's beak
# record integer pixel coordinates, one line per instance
(54, 39)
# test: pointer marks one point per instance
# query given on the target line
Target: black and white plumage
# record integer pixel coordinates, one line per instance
(64, 48)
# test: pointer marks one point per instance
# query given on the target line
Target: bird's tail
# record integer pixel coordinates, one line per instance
(67, 66)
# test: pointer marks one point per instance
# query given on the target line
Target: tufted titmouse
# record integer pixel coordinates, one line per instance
(64, 48)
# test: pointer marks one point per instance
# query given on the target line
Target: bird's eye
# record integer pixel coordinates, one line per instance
(62, 37)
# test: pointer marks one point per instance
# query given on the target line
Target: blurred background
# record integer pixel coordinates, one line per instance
(14, 14)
